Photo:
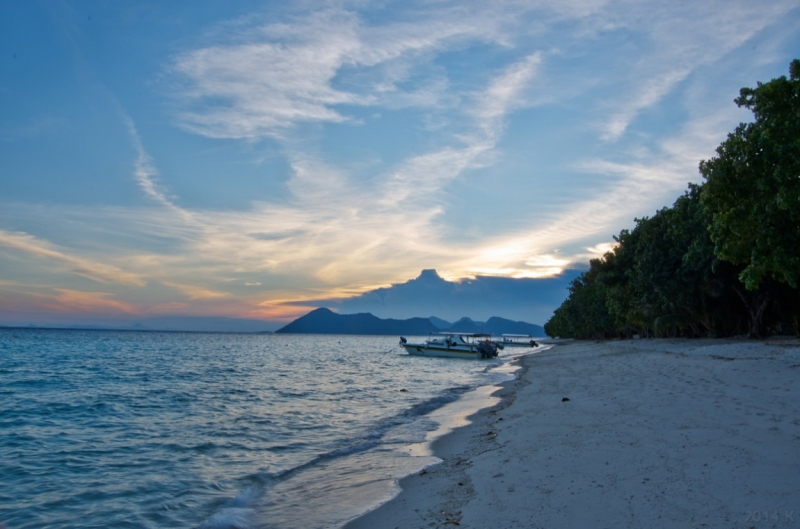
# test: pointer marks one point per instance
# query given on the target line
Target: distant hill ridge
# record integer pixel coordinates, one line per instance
(325, 321)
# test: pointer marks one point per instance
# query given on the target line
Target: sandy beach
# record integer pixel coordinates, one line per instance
(638, 433)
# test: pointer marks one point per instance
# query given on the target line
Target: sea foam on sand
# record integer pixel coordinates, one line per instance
(641, 433)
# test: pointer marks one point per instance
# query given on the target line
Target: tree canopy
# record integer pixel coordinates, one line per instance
(752, 188)
(725, 258)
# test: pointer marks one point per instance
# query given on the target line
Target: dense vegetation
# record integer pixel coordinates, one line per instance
(724, 260)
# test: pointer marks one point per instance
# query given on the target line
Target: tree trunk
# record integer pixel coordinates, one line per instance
(755, 310)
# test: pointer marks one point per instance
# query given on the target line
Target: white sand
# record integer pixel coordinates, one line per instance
(656, 433)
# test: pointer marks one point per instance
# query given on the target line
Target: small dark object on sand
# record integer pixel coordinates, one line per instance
(565, 399)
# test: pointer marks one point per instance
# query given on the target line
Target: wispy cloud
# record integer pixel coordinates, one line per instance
(144, 171)
(146, 175)
(286, 74)
(505, 94)
(96, 271)
(21, 298)
(195, 292)
(684, 39)
(283, 77)
(91, 302)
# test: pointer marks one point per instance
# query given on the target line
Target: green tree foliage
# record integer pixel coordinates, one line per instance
(661, 279)
(725, 258)
(686, 290)
(584, 314)
(752, 189)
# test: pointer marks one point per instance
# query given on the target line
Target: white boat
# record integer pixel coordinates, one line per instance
(454, 345)
(518, 340)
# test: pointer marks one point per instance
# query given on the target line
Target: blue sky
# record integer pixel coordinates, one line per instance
(238, 158)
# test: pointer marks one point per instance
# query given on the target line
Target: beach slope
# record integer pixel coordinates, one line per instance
(640, 433)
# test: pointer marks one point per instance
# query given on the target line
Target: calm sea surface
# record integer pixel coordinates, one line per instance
(193, 430)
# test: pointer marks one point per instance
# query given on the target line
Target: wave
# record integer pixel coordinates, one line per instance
(240, 512)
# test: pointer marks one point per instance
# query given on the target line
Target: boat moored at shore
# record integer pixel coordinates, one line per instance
(454, 345)
(518, 340)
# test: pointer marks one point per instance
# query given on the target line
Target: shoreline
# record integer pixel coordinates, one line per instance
(662, 433)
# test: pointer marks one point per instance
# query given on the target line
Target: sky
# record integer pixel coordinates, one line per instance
(248, 159)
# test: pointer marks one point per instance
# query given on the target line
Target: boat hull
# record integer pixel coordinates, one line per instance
(436, 352)
(520, 345)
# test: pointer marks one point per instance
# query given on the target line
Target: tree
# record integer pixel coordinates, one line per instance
(583, 314)
(752, 189)
(676, 272)
(662, 278)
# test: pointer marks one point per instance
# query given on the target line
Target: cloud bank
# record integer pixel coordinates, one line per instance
(531, 300)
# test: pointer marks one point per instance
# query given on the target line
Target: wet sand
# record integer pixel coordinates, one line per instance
(638, 433)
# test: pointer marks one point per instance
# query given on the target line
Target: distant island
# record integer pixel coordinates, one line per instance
(325, 321)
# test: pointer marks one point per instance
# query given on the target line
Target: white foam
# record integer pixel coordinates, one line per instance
(229, 518)
(245, 498)
(236, 514)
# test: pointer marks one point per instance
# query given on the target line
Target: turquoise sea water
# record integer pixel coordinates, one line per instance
(166, 429)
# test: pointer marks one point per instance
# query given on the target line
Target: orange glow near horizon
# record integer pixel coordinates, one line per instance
(199, 301)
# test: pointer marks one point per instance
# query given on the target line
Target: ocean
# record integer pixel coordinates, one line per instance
(133, 429)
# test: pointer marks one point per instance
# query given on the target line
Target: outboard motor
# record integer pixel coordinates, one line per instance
(487, 350)
(403, 340)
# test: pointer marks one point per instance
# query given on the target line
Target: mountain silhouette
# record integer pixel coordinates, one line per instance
(325, 321)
